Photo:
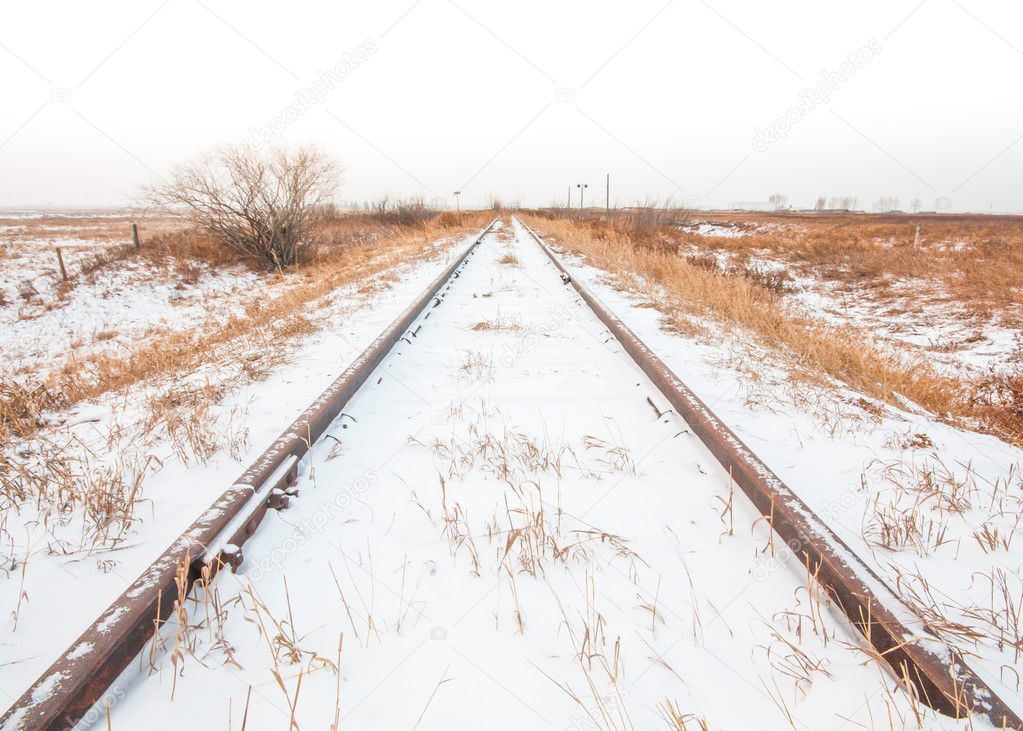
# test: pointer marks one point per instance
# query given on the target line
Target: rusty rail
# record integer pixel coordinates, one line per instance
(936, 671)
(84, 673)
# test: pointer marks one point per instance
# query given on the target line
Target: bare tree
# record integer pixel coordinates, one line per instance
(886, 203)
(846, 202)
(779, 201)
(260, 204)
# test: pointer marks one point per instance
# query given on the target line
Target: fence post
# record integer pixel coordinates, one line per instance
(135, 235)
(60, 261)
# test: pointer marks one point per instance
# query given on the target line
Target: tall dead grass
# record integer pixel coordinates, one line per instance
(978, 260)
(813, 350)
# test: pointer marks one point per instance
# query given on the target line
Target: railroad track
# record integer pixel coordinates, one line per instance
(80, 680)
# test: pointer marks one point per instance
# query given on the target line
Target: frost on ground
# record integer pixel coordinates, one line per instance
(100, 488)
(504, 529)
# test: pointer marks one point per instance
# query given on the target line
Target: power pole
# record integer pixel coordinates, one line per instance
(458, 206)
(569, 204)
(607, 200)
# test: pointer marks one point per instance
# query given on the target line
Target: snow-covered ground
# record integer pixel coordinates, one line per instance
(503, 531)
(937, 325)
(52, 561)
(46, 321)
(934, 509)
(116, 307)
(913, 315)
(704, 228)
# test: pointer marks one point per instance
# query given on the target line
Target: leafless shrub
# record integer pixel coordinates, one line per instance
(645, 222)
(259, 204)
(398, 211)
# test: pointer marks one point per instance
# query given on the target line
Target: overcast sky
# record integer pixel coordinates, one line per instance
(711, 103)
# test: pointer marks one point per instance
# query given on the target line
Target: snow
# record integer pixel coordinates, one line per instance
(913, 316)
(29, 214)
(114, 308)
(505, 522)
(715, 229)
(934, 325)
(179, 492)
(80, 650)
(840, 458)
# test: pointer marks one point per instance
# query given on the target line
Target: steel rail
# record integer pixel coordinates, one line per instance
(937, 672)
(80, 677)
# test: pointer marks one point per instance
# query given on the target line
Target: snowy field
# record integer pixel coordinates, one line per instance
(177, 468)
(917, 499)
(907, 312)
(106, 303)
(501, 529)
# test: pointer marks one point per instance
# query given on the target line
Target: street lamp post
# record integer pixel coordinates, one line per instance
(581, 187)
(458, 206)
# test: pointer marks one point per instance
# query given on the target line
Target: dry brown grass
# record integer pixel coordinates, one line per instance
(22, 407)
(114, 227)
(812, 350)
(499, 323)
(93, 243)
(266, 322)
(348, 248)
(66, 478)
(978, 260)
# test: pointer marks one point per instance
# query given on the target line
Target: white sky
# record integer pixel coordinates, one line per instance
(99, 98)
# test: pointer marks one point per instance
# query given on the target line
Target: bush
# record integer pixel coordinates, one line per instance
(261, 205)
(400, 211)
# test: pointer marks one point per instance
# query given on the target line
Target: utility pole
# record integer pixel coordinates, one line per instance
(607, 200)
(569, 204)
(582, 187)
(458, 206)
